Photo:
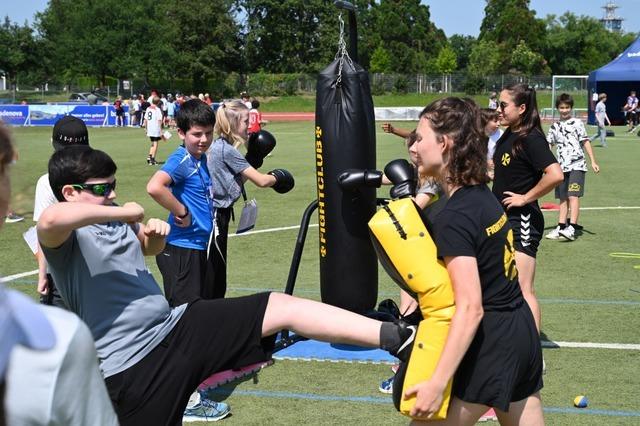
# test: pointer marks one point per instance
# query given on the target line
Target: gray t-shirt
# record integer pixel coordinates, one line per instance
(101, 275)
(225, 163)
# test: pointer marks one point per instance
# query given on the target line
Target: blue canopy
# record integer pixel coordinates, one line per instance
(616, 79)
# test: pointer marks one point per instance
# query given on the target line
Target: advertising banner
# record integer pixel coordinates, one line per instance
(15, 115)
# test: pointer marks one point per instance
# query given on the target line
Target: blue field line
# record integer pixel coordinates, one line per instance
(387, 400)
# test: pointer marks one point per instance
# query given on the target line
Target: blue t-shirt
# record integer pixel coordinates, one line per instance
(191, 185)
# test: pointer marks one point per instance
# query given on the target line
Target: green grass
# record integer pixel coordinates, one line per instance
(586, 295)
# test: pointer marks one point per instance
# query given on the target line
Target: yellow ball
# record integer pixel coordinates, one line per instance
(580, 401)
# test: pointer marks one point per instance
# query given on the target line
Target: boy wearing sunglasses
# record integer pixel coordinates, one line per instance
(152, 355)
(68, 131)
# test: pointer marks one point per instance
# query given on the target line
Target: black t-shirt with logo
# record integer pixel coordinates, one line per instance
(520, 172)
(474, 224)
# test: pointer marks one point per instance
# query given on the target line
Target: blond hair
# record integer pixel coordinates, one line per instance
(228, 118)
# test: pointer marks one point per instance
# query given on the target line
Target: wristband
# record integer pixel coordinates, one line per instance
(186, 212)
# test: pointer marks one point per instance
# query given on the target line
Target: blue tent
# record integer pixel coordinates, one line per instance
(616, 79)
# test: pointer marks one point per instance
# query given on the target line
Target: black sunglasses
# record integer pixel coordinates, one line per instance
(100, 189)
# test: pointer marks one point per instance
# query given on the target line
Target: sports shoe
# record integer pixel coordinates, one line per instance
(489, 416)
(201, 409)
(569, 233)
(13, 218)
(554, 234)
(407, 336)
(386, 386)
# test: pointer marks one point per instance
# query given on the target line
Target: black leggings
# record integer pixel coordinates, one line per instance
(218, 251)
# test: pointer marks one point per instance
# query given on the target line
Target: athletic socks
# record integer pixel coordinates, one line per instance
(397, 338)
(562, 225)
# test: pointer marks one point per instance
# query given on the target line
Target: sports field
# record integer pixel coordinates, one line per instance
(587, 292)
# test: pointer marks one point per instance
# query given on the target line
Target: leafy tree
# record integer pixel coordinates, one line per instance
(462, 46)
(205, 40)
(380, 60)
(508, 23)
(527, 61)
(485, 58)
(446, 61)
(17, 49)
(393, 20)
(580, 44)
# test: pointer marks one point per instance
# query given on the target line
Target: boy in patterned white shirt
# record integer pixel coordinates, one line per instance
(571, 140)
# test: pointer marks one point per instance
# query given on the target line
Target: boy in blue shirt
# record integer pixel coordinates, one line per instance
(183, 186)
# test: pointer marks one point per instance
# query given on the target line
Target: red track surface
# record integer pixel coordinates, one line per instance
(289, 116)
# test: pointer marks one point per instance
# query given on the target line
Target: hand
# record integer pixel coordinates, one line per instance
(514, 200)
(43, 285)
(428, 398)
(595, 167)
(156, 228)
(387, 128)
(182, 222)
(133, 212)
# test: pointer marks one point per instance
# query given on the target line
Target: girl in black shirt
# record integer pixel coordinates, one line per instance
(492, 349)
(525, 170)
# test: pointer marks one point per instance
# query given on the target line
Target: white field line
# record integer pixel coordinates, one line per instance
(601, 208)
(16, 276)
(590, 345)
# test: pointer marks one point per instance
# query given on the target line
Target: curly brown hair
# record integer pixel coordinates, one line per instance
(459, 119)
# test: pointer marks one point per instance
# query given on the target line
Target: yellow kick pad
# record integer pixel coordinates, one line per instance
(409, 255)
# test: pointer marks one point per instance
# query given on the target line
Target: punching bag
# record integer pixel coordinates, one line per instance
(345, 139)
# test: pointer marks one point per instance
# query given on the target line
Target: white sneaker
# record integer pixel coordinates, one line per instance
(569, 233)
(554, 234)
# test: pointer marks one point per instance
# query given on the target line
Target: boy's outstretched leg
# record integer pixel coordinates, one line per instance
(328, 323)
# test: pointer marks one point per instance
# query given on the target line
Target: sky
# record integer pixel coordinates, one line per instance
(452, 16)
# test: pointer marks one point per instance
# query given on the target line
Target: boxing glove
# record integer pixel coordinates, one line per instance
(352, 179)
(284, 180)
(402, 175)
(259, 145)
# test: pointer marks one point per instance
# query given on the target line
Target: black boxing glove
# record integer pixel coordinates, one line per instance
(402, 175)
(284, 180)
(352, 179)
(259, 145)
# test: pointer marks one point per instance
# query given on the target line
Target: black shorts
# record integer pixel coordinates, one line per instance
(187, 274)
(211, 336)
(154, 138)
(504, 362)
(572, 185)
(527, 223)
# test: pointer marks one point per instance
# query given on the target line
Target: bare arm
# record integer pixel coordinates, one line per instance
(152, 236)
(467, 292)
(550, 179)
(389, 128)
(261, 180)
(58, 221)
(589, 151)
(42, 273)
(158, 189)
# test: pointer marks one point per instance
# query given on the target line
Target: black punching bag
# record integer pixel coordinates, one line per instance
(345, 139)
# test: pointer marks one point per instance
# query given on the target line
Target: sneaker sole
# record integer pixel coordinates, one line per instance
(191, 419)
(385, 391)
(568, 238)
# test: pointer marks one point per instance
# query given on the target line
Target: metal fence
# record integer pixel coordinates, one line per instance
(274, 85)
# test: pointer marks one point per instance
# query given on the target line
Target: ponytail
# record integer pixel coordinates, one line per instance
(523, 94)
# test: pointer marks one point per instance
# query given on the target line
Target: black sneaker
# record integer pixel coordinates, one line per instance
(407, 336)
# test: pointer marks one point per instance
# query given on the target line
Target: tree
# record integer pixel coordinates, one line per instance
(393, 20)
(205, 39)
(446, 61)
(380, 60)
(485, 59)
(462, 46)
(17, 49)
(579, 45)
(507, 23)
(527, 61)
